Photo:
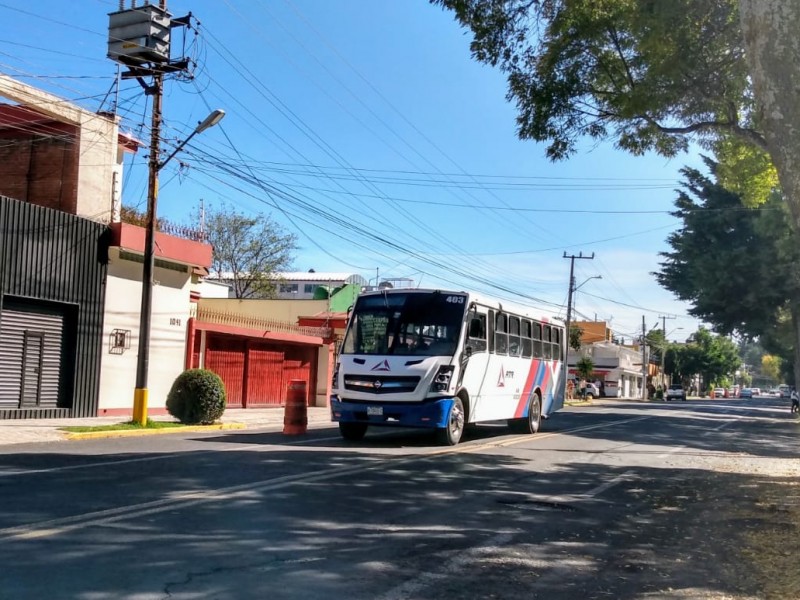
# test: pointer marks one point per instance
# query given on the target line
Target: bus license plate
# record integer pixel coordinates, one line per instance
(375, 411)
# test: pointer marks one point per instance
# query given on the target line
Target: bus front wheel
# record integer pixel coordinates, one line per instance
(353, 432)
(450, 434)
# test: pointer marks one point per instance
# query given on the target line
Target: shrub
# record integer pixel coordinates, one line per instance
(197, 397)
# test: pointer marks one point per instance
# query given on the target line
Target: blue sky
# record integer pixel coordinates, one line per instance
(366, 129)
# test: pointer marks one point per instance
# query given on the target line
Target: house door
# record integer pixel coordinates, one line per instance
(31, 384)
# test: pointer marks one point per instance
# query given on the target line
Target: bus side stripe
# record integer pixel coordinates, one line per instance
(534, 374)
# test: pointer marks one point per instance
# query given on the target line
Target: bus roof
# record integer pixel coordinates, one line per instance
(529, 311)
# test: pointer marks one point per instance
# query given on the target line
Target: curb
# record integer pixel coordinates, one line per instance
(92, 435)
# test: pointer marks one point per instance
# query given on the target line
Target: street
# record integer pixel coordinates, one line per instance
(613, 500)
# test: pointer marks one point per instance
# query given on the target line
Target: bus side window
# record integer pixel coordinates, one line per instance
(527, 342)
(513, 336)
(537, 341)
(548, 347)
(558, 350)
(501, 334)
(476, 334)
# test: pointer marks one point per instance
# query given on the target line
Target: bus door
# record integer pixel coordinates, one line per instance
(474, 357)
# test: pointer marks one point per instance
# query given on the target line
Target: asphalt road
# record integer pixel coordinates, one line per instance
(614, 500)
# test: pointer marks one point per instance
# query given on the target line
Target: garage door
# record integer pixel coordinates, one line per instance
(31, 345)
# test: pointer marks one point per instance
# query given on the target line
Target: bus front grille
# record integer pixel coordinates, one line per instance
(380, 384)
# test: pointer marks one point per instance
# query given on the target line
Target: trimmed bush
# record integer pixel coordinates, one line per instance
(197, 397)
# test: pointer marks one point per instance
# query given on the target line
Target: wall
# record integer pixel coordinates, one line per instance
(40, 170)
(593, 331)
(169, 320)
(52, 256)
(279, 310)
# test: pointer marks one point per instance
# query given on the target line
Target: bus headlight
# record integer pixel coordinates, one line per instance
(442, 379)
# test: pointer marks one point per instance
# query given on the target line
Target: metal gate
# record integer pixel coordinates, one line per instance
(31, 350)
(256, 373)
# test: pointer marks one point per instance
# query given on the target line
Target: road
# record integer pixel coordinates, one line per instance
(614, 500)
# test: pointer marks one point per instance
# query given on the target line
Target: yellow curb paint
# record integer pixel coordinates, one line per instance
(91, 435)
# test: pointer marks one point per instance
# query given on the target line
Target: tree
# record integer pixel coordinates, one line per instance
(585, 367)
(723, 252)
(771, 367)
(714, 357)
(248, 251)
(575, 336)
(651, 76)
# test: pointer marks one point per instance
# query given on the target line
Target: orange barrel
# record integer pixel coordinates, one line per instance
(295, 416)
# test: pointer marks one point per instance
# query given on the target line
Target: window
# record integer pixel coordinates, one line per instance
(476, 334)
(527, 342)
(557, 349)
(538, 351)
(547, 347)
(309, 288)
(501, 334)
(288, 288)
(513, 336)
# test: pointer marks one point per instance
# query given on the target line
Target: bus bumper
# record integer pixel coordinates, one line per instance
(428, 415)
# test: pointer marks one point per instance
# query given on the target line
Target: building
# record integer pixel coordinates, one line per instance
(70, 292)
(617, 367)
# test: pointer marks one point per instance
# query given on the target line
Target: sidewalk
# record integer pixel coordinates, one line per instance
(27, 431)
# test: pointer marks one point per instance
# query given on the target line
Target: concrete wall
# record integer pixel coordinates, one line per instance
(167, 334)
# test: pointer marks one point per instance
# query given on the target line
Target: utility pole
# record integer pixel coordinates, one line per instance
(664, 350)
(140, 393)
(571, 258)
(139, 38)
(644, 359)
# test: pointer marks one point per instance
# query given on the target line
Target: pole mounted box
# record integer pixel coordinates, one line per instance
(140, 35)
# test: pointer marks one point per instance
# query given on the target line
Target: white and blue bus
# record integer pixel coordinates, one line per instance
(440, 359)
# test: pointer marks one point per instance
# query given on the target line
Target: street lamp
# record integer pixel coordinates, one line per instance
(568, 320)
(588, 279)
(140, 394)
(671, 332)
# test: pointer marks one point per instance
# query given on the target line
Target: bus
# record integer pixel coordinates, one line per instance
(443, 359)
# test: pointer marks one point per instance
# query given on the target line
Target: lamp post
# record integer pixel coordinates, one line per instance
(140, 394)
(588, 279)
(568, 321)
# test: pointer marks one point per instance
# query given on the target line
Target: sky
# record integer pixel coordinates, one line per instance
(366, 129)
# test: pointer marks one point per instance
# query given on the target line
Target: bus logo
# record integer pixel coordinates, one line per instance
(501, 378)
(382, 366)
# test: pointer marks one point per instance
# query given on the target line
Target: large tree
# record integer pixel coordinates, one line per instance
(249, 251)
(733, 264)
(651, 75)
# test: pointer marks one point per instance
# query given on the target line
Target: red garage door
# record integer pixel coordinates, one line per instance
(255, 373)
(225, 356)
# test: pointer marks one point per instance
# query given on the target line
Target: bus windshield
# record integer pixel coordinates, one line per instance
(406, 323)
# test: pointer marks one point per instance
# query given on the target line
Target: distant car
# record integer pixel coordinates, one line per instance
(592, 391)
(675, 392)
(746, 393)
(719, 392)
(756, 391)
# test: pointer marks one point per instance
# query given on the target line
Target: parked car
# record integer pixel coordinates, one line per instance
(719, 392)
(756, 391)
(592, 391)
(675, 392)
(746, 393)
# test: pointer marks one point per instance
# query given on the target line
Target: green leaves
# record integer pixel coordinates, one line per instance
(648, 74)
